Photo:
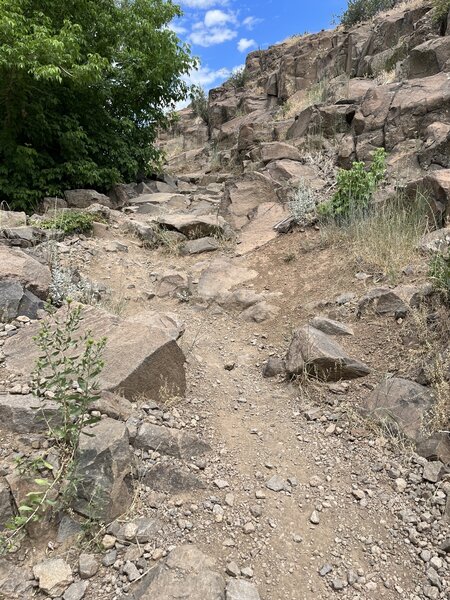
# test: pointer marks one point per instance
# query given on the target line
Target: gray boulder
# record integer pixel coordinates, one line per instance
(84, 198)
(169, 441)
(9, 218)
(16, 301)
(396, 302)
(400, 405)
(239, 589)
(199, 246)
(186, 573)
(16, 266)
(331, 327)
(54, 576)
(103, 471)
(26, 413)
(154, 362)
(193, 226)
(319, 355)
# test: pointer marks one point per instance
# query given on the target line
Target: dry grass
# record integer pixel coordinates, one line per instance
(386, 239)
(315, 94)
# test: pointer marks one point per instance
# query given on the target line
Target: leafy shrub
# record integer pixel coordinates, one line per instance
(302, 203)
(238, 78)
(439, 273)
(66, 371)
(69, 222)
(441, 9)
(361, 10)
(355, 188)
(199, 102)
(84, 88)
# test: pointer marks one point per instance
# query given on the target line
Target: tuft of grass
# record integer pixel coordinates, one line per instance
(69, 222)
(385, 237)
(439, 273)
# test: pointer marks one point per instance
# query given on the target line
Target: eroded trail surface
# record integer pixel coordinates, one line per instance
(297, 495)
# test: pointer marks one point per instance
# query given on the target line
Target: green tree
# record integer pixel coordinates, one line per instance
(361, 10)
(84, 86)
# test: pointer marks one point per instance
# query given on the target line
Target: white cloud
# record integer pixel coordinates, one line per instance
(205, 77)
(218, 17)
(250, 22)
(203, 4)
(203, 36)
(178, 29)
(244, 44)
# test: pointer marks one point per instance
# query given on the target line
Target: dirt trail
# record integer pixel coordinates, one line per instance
(326, 461)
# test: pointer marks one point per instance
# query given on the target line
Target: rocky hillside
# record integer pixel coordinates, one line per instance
(239, 403)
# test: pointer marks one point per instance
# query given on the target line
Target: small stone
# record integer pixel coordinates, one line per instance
(436, 563)
(108, 542)
(221, 484)
(157, 554)
(432, 471)
(76, 591)
(431, 592)
(400, 485)
(109, 558)
(325, 570)
(87, 566)
(276, 483)
(314, 518)
(232, 569)
(425, 555)
(358, 494)
(260, 495)
(337, 584)
(249, 528)
(247, 572)
(129, 531)
(229, 500)
(131, 571)
(297, 538)
(54, 576)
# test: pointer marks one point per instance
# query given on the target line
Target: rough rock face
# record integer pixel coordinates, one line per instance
(401, 406)
(26, 414)
(154, 360)
(316, 353)
(186, 572)
(20, 268)
(84, 198)
(103, 471)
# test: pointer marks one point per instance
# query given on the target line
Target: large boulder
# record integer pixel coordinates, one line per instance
(185, 573)
(26, 413)
(103, 471)
(15, 301)
(84, 198)
(429, 58)
(401, 406)
(244, 194)
(9, 218)
(279, 150)
(16, 266)
(169, 441)
(315, 353)
(193, 226)
(154, 361)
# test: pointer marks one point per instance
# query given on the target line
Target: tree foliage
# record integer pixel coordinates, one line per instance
(84, 85)
(361, 10)
(199, 102)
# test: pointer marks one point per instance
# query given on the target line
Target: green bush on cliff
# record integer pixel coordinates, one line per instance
(361, 10)
(441, 9)
(84, 87)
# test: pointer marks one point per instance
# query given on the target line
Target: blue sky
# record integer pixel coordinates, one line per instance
(222, 32)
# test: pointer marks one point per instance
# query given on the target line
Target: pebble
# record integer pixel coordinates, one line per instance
(314, 518)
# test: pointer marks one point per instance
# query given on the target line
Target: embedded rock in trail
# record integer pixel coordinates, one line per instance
(220, 277)
(169, 323)
(199, 246)
(169, 441)
(84, 198)
(153, 362)
(317, 354)
(401, 406)
(54, 576)
(193, 226)
(396, 302)
(103, 471)
(185, 573)
(260, 229)
(239, 589)
(24, 413)
(17, 266)
(171, 478)
(244, 194)
(331, 327)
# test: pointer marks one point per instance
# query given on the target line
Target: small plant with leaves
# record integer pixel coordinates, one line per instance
(66, 373)
(69, 222)
(441, 9)
(238, 78)
(199, 102)
(355, 188)
(302, 203)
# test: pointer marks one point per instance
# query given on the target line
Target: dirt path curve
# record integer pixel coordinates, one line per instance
(332, 528)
